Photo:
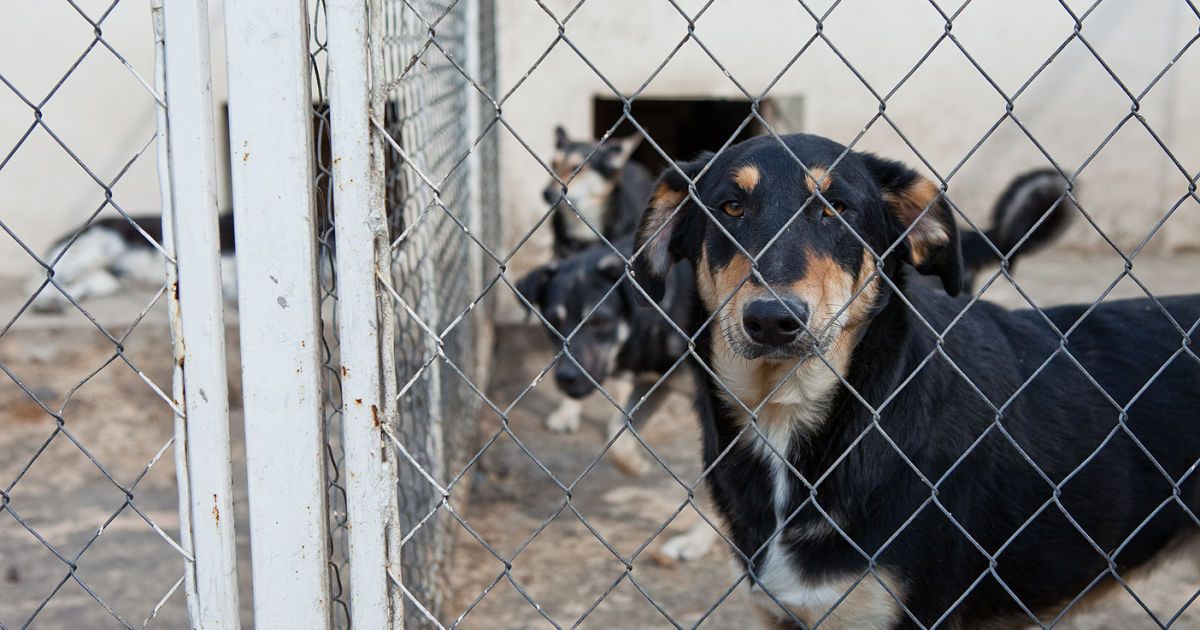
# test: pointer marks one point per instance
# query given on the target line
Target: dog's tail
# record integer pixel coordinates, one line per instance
(1036, 201)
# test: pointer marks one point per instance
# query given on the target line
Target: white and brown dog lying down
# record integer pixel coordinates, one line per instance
(111, 254)
(616, 344)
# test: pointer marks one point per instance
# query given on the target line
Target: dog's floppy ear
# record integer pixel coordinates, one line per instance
(914, 201)
(560, 138)
(532, 286)
(666, 215)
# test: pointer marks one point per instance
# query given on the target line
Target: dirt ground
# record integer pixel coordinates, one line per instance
(571, 569)
(68, 498)
(574, 577)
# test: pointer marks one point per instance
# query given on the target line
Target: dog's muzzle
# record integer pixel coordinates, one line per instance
(571, 379)
(774, 322)
(775, 327)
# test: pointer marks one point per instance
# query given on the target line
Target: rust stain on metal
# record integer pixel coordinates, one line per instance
(215, 511)
(345, 372)
(375, 415)
(358, 401)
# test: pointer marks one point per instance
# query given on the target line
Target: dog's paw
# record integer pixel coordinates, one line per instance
(688, 546)
(565, 419)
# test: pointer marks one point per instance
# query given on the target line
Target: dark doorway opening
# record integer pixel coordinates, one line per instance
(684, 128)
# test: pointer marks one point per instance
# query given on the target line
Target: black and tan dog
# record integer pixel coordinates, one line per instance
(603, 188)
(626, 350)
(874, 471)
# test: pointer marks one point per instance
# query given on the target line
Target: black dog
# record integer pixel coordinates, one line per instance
(612, 342)
(875, 473)
(603, 187)
(636, 347)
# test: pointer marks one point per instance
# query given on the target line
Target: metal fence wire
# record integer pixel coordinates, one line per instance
(337, 512)
(87, 481)
(442, 185)
(95, 525)
(432, 140)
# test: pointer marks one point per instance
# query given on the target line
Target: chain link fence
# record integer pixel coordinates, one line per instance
(442, 189)
(90, 505)
(432, 38)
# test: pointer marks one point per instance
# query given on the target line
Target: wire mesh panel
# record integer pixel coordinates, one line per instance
(331, 378)
(92, 347)
(441, 186)
(762, 458)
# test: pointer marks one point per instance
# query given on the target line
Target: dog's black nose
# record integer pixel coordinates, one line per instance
(773, 322)
(571, 380)
(551, 194)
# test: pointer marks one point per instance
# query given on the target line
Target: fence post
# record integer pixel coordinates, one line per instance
(198, 325)
(271, 146)
(363, 256)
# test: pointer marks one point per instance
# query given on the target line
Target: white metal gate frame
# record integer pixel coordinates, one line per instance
(272, 158)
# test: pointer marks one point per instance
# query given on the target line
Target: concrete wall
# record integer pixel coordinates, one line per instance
(944, 108)
(101, 112)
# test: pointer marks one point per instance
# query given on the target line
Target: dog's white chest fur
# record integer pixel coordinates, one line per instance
(785, 401)
(588, 193)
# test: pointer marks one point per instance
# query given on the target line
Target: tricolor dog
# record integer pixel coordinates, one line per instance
(111, 253)
(627, 350)
(611, 341)
(602, 192)
(884, 455)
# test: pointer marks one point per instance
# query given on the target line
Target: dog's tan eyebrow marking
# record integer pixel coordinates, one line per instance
(747, 177)
(817, 175)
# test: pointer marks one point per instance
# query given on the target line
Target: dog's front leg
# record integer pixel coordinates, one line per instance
(565, 419)
(627, 453)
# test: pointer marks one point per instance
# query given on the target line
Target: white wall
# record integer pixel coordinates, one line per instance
(943, 109)
(101, 112)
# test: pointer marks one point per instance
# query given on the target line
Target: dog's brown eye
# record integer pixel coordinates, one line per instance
(838, 207)
(733, 209)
